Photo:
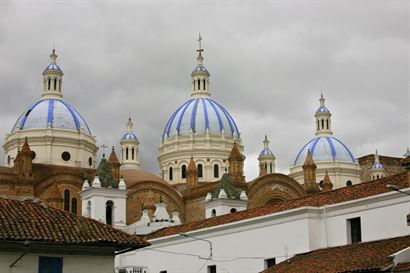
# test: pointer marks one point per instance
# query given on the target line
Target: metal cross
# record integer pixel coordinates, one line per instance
(103, 147)
(199, 41)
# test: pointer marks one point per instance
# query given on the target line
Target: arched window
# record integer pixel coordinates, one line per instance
(74, 205)
(67, 200)
(109, 206)
(183, 171)
(233, 210)
(318, 125)
(200, 170)
(271, 168)
(216, 171)
(170, 173)
(49, 84)
(213, 213)
(126, 154)
(55, 84)
(132, 153)
(204, 85)
(327, 124)
(349, 183)
(323, 124)
(89, 208)
(59, 85)
(199, 84)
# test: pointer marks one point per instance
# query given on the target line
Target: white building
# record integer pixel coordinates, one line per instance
(248, 241)
(329, 154)
(57, 133)
(202, 128)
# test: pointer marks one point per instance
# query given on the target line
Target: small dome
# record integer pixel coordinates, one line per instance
(266, 152)
(200, 69)
(51, 113)
(198, 115)
(325, 149)
(129, 136)
(322, 109)
(52, 67)
(377, 165)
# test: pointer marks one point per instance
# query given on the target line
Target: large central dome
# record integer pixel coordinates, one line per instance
(198, 115)
(200, 128)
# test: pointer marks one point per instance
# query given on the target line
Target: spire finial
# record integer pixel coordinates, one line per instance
(322, 100)
(200, 50)
(129, 125)
(266, 142)
(376, 157)
(53, 56)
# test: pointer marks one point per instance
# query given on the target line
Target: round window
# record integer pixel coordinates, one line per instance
(66, 156)
(90, 161)
(33, 154)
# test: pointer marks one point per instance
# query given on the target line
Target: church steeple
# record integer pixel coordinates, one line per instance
(200, 76)
(52, 79)
(323, 121)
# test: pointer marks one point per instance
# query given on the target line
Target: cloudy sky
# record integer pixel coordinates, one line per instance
(269, 62)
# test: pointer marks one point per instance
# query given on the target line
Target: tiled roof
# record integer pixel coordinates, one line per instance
(402, 267)
(360, 257)
(25, 219)
(357, 191)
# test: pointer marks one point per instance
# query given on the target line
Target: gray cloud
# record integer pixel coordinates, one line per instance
(268, 63)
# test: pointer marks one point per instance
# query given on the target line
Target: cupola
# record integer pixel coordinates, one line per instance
(52, 79)
(323, 121)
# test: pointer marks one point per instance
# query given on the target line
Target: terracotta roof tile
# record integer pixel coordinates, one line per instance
(357, 191)
(361, 257)
(30, 220)
(402, 267)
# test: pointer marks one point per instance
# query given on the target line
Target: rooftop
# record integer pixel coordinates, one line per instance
(372, 256)
(26, 219)
(340, 195)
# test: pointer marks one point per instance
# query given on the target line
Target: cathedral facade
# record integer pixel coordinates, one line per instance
(51, 154)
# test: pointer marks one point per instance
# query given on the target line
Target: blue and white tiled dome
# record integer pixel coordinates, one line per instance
(266, 152)
(129, 136)
(52, 66)
(377, 165)
(322, 109)
(198, 115)
(325, 148)
(199, 69)
(51, 113)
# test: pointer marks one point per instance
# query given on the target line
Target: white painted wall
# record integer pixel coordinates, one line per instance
(242, 246)
(71, 263)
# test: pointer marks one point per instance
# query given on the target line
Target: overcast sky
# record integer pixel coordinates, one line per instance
(269, 61)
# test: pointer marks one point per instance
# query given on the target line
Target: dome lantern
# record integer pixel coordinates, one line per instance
(266, 159)
(130, 149)
(377, 170)
(52, 79)
(323, 121)
(200, 76)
